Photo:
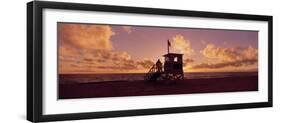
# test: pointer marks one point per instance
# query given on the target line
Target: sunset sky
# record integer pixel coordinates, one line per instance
(90, 48)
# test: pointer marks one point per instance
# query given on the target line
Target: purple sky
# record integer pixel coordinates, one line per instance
(151, 37)
(118, 48)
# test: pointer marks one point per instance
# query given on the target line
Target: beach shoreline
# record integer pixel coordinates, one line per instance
(144, 88)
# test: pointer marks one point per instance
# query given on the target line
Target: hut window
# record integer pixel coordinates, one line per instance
(176, 59)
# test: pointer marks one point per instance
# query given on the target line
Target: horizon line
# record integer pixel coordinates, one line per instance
(145, 73)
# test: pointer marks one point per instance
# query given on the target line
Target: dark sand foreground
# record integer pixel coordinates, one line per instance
(141, 88)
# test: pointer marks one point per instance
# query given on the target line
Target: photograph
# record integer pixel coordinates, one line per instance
(88, 61)
(110, 60)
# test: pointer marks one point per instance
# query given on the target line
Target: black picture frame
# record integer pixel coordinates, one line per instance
(35, 69)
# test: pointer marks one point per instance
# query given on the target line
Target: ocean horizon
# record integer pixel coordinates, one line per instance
(90, 78)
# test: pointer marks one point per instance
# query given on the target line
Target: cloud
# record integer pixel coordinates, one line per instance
(127, 29)
(230, 54)
(102, 61)
(146, 63)
(225, 54)
(239, 63)
(187, 61)
(181, 44)
(228, 57)
(88, 48)
(67, 52)
(250, 53)
(85, 36)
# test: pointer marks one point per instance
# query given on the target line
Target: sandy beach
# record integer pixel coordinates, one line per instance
(142, 88)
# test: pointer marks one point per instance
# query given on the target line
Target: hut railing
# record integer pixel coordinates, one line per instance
(153, 73)
(149, 74)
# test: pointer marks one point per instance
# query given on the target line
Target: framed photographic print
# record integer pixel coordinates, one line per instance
(95, 61)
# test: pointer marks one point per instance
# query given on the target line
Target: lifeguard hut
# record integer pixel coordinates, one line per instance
(173, 68)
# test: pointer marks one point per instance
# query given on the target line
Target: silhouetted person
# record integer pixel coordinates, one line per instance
(159, 66)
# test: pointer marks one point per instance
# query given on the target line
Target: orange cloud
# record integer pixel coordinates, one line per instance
(239, 63)
(103, 61)
(229, 57)
(250, 53)
(85, 36)
(230, 54)
(181, 44)
(88, 48)
(146, 63)
(224, 54)
(127, 29)
(187, 62)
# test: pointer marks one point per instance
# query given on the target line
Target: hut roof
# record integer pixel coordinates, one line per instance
(172, 54)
